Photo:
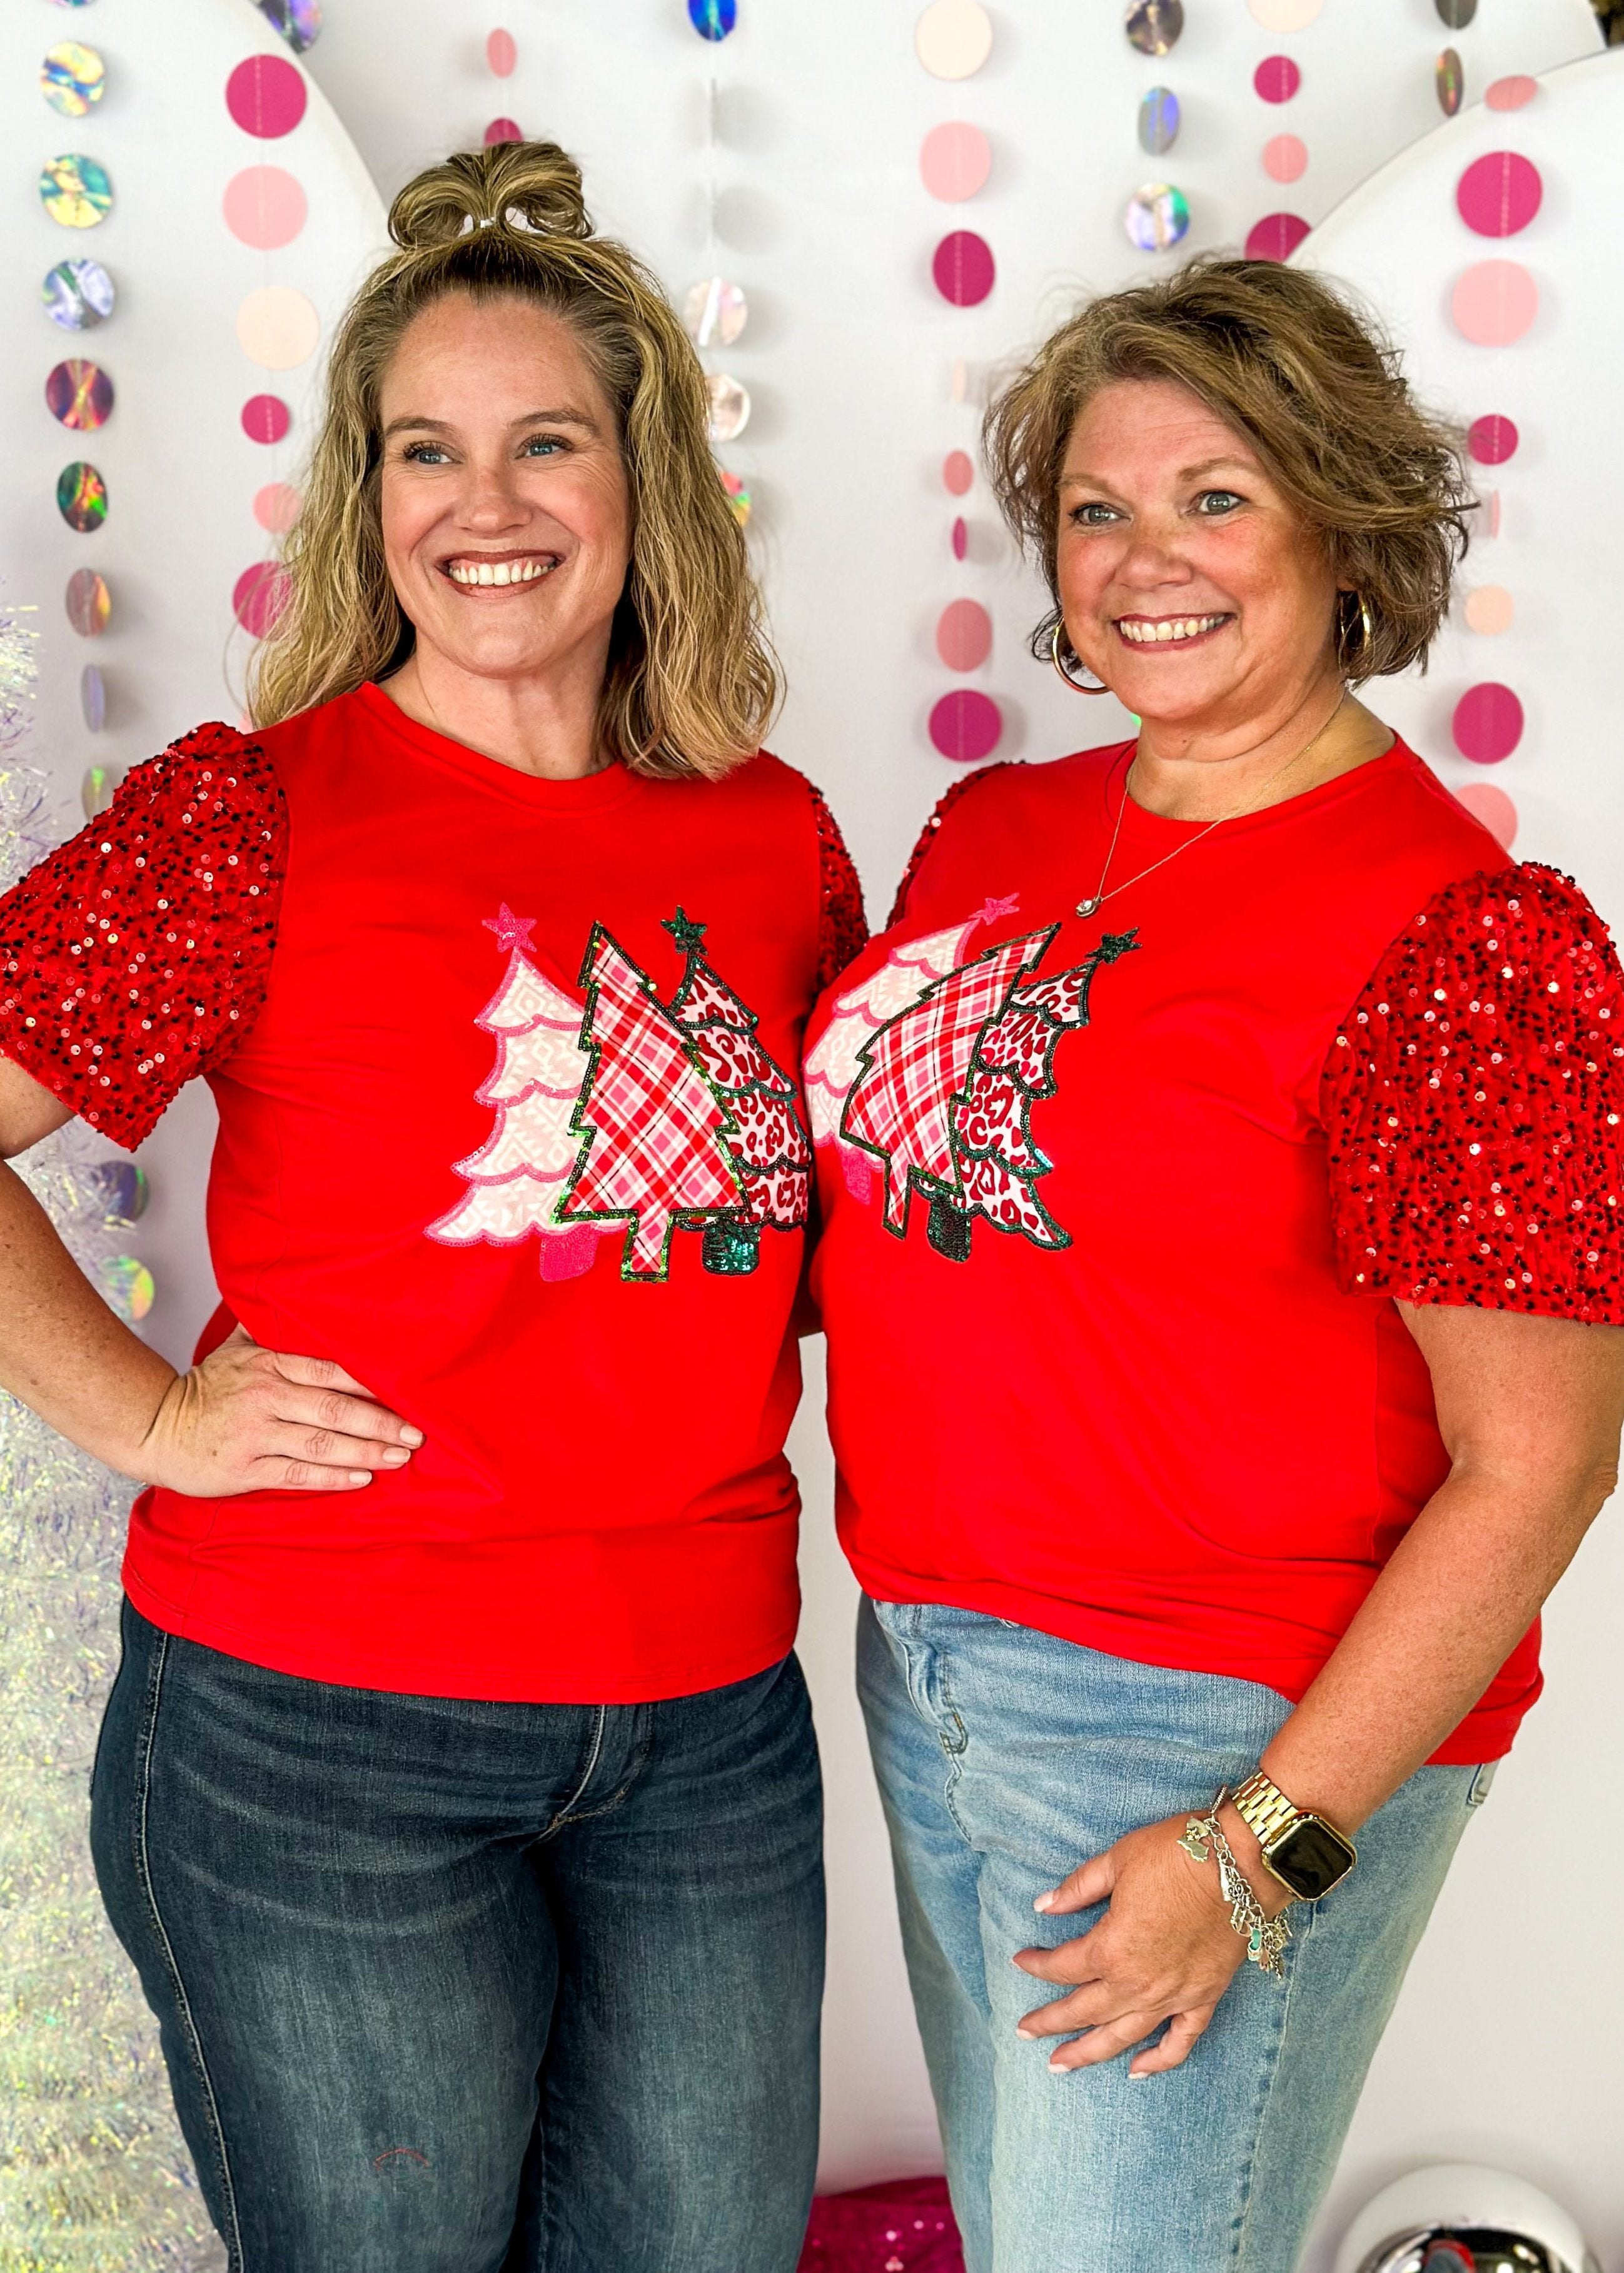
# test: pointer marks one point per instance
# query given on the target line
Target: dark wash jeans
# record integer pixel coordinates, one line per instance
(451, 1987)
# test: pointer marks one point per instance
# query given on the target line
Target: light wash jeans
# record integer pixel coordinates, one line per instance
(1006, 1758)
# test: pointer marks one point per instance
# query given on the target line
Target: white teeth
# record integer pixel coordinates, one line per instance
(497, 571)
(1141, 633)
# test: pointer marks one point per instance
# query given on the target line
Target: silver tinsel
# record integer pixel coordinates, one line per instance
(93, 2175)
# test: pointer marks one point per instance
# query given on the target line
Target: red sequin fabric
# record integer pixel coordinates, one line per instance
(135, 957)
(927, 835)
(1472, 1101)
(843, 930)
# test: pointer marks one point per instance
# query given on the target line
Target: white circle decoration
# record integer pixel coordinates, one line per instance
(953, 38)
(278, 328)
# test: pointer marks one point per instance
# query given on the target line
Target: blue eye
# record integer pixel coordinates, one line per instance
(1215, 503)
(1094, 514)
(542, 446)
(425, 453)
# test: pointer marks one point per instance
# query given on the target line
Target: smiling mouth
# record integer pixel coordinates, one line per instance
(483, 572)
(1168, 631)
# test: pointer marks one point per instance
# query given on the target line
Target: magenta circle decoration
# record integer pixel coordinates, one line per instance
(1492, 439)
(1277, 79)
(503, 130)
(1276, 237)
(961, 537)
(964, 269)
(1494, 302)
(1487, 725)
(964, 636)
(259, 597)
(1499, 194)
(266, 418)
(966, 726)
(266, 96)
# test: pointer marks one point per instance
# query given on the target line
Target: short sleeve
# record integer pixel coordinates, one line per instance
(135, 957)
(1472, 1100)
(843, 927)
(928, 833)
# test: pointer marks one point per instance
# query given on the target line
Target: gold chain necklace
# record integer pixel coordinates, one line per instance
(1091, 906)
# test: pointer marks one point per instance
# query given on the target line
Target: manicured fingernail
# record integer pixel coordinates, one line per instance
(1140, 2075)
(411, 1435)
(396, 1456)
(360, 1475)
(1057, 2066)
(1027, 2035)
(1044, 1903)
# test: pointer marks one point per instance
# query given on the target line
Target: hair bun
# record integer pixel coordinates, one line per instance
(534, 187)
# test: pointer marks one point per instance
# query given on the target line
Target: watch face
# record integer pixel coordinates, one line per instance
(1311, 1858)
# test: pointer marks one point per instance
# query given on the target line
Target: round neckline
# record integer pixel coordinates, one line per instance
(1139, 824)
(577, 793)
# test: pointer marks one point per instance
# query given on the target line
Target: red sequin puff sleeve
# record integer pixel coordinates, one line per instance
(136, 955)
(928, 833)
(843, 927)
(1472, 1103)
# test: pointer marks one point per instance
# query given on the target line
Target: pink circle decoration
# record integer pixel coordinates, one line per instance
(957, 473)
(964, 636)
(1277, 79)
(276, 506)
(1285, 159)
(502, 130)
(264, 208)
(1492, 440)
(965, 727)
(1499, 194)
(1494, 302)
(961, 537)
(1511, 93)
(1492, 808)
(266, 418)
(501, 52)
(955, 160)
(1489, 499)
(1487, 725)
(266, 96)
(1276, 237)
(963, 268)
(259, 597)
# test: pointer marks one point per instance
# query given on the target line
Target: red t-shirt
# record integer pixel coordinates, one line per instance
(505, 1130)
(1108, 1201)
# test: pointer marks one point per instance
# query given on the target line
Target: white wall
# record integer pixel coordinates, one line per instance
(1503, 2043)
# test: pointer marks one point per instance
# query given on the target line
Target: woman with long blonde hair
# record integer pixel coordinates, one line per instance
(457, 1798)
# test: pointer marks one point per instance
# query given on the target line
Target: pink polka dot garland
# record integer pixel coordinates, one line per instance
(963, 268)
(961, 537)
(964, 636)
(1499, 194)
(266, 418)
(276, 506)
(502, 130)
(1285, 159)
(966, 726)
(1511, 93)
(265, 96)
(955, 160)
(1277, 79)
(1487, 725)
(1276, 237)
(957, 473)
(259, 598)
(501, 53)
(1494, 302)
(264, 208)
(1492, 440)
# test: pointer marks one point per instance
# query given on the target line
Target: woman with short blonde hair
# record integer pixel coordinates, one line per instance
(1223, 1279)
(457, 1798)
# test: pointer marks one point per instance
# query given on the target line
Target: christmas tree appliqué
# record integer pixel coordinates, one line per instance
(658, 1150)
(771, 1154)
(944, 1091)
(518, 1177)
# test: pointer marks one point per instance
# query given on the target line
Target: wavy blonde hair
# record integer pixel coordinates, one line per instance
(692, 681)
(1289, 362)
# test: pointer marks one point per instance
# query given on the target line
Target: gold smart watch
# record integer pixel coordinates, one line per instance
(1305, 1853)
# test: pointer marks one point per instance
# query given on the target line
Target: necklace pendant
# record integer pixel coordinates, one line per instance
(1088, 907)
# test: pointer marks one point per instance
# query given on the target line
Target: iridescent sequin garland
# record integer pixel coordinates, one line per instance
(93, 2175)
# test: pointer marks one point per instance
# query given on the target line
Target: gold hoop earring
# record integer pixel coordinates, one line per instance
(1089, 686)
(1367, 635)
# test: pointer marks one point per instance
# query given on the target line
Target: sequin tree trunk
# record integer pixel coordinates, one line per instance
(657, 1151)
(769, 1145)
